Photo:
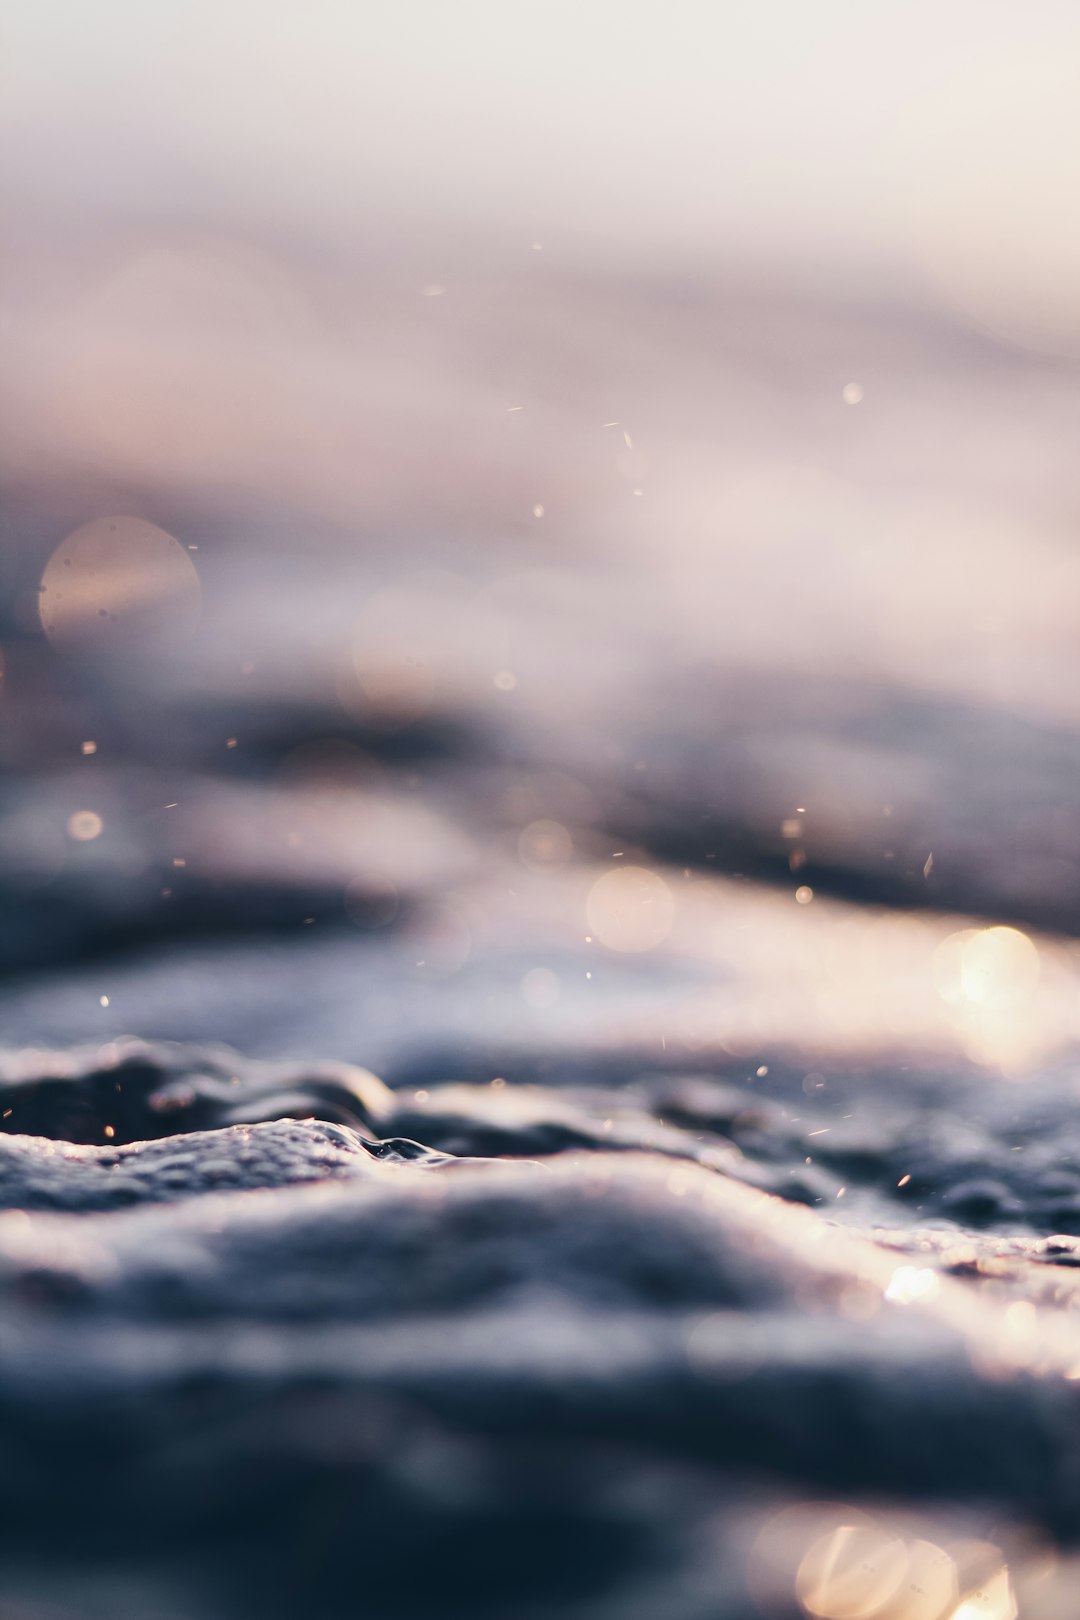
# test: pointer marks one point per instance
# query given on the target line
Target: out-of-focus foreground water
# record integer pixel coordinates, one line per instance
(539, 560)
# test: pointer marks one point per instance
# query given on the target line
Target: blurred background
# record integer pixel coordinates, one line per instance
(535, 532)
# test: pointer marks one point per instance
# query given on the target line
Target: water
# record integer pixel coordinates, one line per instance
(589, 1349)
(539, 1067)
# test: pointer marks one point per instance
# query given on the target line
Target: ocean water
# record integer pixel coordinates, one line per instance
(540, 996)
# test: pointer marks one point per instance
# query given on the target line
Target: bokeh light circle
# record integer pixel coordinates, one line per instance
(116, 583)
(630, 909)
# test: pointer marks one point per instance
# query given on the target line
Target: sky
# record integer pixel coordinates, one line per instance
(931, 147)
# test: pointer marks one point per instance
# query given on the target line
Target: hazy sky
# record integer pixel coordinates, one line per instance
(923, 142)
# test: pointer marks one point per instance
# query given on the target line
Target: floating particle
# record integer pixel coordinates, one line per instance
(434, 289)
(506, 680)
(904, 1180)
(762, 1070)
(928, 865)
(88, 747)
(853, 393)
(103, 1001)
(804, 894)
(84, 825)
(538, 511)
(110, 1131)
(230, 742)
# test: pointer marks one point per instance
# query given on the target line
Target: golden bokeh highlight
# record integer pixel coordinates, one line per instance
(116, 583)
(992, 968)
(84, 825)
(840, 1563)
(988, 977)
(985, 1585)
(909, 1285)
(850, 1573)
(630, 909)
